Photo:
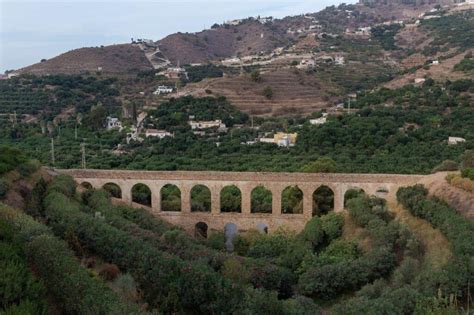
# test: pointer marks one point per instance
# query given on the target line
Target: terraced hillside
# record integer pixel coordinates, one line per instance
(294, 92)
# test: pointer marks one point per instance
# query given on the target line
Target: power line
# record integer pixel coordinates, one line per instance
(83, 151)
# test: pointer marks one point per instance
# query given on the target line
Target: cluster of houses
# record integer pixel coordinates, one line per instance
(361, 32)
(174, 73)
(310, 63)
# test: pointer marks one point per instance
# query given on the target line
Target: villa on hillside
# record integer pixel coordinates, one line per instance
(319, 121)
(113, 123)
(157, 133)
(174, 73)
(163, 89)
(199, 125)
(281, 139)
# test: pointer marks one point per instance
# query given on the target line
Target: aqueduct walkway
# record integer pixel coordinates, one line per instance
(384, 185)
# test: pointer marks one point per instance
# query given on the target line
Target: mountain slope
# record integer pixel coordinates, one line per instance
(114, 59)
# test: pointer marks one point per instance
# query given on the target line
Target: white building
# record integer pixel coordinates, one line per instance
(163, 89)
(319, 121)
(113, 123)
(206, 124)
(419, 81)
(435, 62)
(455, 140)
(264, 20)
(281, 139)
(339, 60)
(233, 22)
(306, 64)
(157, 133)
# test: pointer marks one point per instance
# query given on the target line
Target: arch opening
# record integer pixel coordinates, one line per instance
(86, 185)
(292, 200)
(261, 200)
(231, 199)
(170, 198)
(352, 193)
(113, 189)
(200, 230)
(323, 201)
(382, 192)
(141, 194)
(200, 199)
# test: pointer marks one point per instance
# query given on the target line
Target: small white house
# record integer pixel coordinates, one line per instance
(319, 121)
(306, 64)
(455, 140)
(419, 81)
(435, 62)
(163, 89)
(157, 133)
(339, 60)
(113, 123)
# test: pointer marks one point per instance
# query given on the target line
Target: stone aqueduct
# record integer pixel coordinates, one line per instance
(385, 185)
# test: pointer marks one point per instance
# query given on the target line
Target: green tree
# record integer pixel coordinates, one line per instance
(321, 165)
(255, 76)
(268, 92)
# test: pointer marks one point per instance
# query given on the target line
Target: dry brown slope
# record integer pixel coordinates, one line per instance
(441, 72)
(248, 38)
(114, 59)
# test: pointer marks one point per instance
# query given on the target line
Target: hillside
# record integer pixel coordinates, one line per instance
(309, 61)
(115, 59)
(294, 92)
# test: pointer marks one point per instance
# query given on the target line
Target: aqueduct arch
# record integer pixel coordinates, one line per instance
(243, 184)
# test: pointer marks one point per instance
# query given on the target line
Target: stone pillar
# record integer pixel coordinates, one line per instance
(155, 198)
(185, 199)
(308, 202)
(215, 199)
(276, 200)
(246, 199)
(127, 193)
(339, 198)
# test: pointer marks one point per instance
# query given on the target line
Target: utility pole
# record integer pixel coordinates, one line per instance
(75, 132)
(14, 118)
(349, 109)
(52, 152)
(83, 151)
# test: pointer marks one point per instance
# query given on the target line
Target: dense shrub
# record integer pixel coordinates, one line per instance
(327, 276)
(3, 188)
(164, 279)
(63, 184)
(10, 158)
(17, 283)
(457, 276)
(447, 165)
(468, 173)
(332, 224)
(458, 181)
(63, 276)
